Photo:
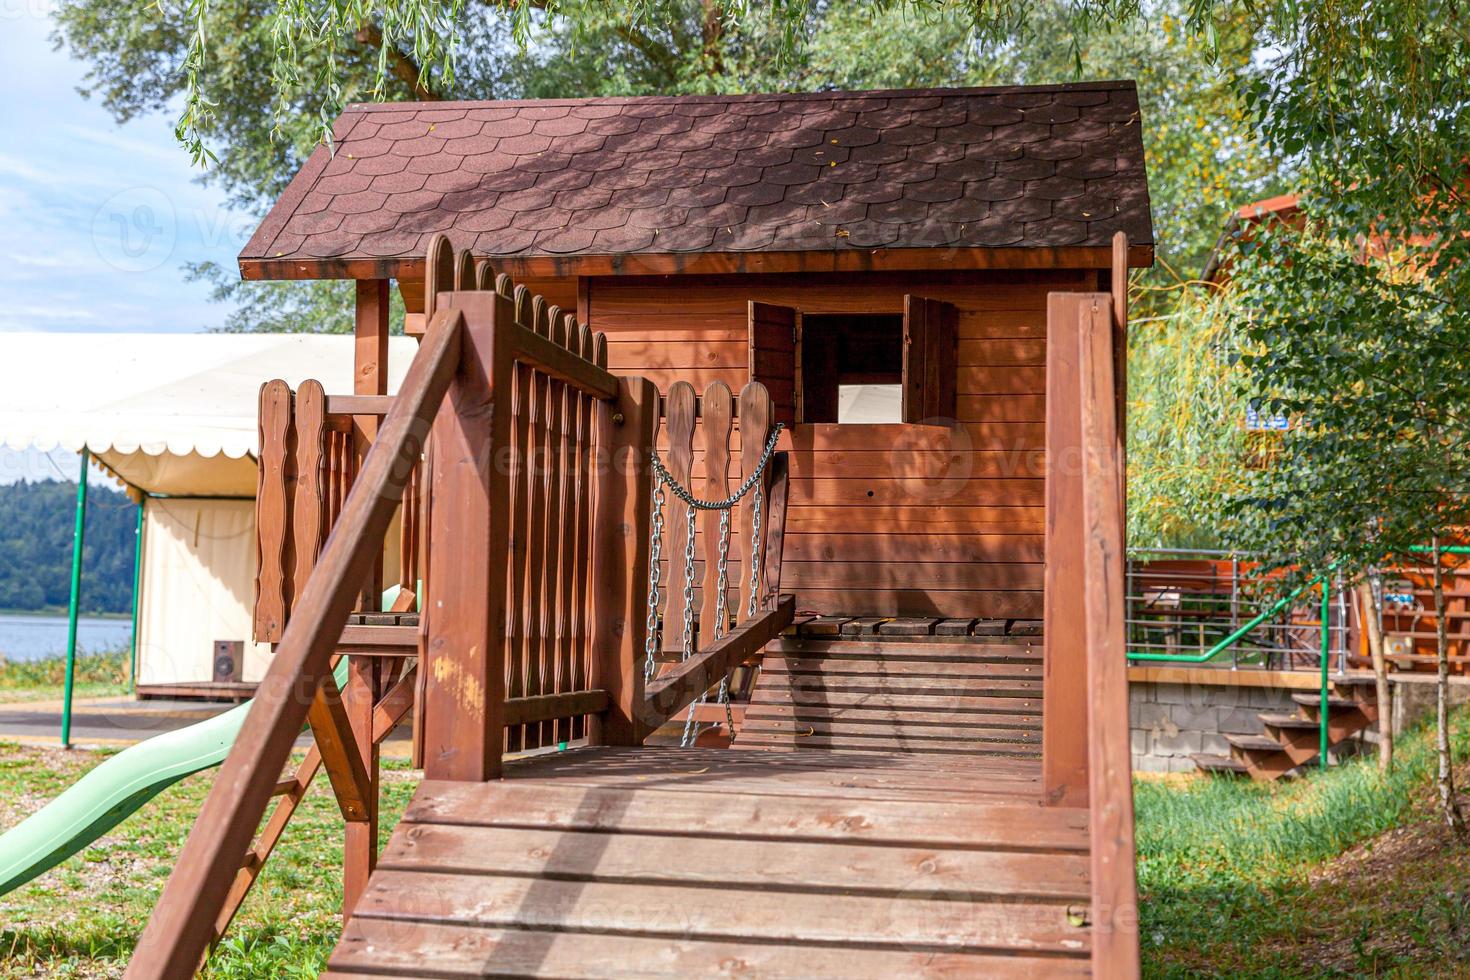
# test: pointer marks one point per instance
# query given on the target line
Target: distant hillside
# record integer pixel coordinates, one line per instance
(36, 521)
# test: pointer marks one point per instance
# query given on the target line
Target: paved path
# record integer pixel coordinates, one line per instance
(122, 721)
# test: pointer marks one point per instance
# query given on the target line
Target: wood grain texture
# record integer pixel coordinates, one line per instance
(891, 480)
(271, 512)
(1114, 870)
(679, 428)
(717, 416)
(308, 491)
(620, 560)
(1064, 765)
(467, 623)
(757, 419)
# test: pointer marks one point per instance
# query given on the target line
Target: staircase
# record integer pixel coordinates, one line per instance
(960, 695)
(1289, 741)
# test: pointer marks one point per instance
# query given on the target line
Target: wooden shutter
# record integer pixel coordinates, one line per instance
(775, 352)
(929, 359)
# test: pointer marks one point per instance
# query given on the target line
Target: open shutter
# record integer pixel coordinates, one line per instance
(775, 352)
(929, 359)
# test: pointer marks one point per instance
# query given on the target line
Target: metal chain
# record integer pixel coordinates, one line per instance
(655, 555)
(755, 552)
(687, 649)
(663, 478)
(687, 495)
(722, 616)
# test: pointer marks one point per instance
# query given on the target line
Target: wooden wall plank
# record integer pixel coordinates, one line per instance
(865, 484)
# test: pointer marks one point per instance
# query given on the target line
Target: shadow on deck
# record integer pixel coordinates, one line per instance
(605, 862)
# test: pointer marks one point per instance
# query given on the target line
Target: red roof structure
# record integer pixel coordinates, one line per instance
(602, 183)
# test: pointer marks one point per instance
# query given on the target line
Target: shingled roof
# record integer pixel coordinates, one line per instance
(964, 170)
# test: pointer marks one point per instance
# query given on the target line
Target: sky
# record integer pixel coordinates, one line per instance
(96, 220)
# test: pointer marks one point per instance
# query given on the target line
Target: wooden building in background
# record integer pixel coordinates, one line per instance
(879, 260)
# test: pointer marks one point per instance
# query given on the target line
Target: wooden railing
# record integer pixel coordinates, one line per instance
(308, 463)
(535, 618)
(703, 427)
(299, 683)
(1086, 758)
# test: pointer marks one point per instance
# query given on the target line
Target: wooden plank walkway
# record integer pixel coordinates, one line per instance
(658, 862)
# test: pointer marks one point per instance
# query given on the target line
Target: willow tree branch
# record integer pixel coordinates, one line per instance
(403, 67)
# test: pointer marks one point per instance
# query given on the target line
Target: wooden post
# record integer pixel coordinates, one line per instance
(464, 686)
(1064, 666)
(1114, 877)
(370, 377)
(1120, 361)
(360, 840)
(626, 430)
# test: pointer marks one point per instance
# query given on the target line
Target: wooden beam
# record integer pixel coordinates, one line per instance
(681, 686)
(711, 263)
(332, 730)
(1110, 777)
(1064, 670)
(360, 840)
(183, 920)
(559, 362)
(359, 404)
(370, 377)
(392, 706)
(552, 707)
(464, 669)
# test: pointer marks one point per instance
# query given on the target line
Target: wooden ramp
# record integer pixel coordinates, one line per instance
(653, 862)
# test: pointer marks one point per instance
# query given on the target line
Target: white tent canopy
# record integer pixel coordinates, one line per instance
(168, 413)
(175, 417)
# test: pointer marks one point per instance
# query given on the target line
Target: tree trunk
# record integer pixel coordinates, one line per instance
(1447, 801)
(1380, 675)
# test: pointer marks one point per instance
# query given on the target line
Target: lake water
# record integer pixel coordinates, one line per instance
(35, 637)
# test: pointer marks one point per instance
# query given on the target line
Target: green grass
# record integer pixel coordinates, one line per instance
(286, 928)
(1240, 878)
(1342, 873)
(97, 675)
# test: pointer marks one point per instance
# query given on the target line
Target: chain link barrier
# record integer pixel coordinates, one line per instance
(663, 479)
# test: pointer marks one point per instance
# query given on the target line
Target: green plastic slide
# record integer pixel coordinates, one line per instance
(115, 789)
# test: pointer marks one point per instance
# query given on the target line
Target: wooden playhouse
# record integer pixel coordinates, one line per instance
(917, 299)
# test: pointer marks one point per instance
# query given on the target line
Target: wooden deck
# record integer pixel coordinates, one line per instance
(646, 862)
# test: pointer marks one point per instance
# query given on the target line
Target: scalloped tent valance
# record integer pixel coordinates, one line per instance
(168, 413)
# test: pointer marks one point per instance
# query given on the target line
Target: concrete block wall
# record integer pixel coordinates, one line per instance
(1171, 722)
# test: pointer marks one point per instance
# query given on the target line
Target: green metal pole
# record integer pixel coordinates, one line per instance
(1322, 708)
(76, 594)
(137, 584)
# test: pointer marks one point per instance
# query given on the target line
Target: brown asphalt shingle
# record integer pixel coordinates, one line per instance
(1039, 166)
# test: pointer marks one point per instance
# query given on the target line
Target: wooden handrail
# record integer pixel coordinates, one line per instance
(182, 923)
(677, 689)
(1110, 776)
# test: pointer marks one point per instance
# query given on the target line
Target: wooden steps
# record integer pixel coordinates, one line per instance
(1288, 742)
(975, 696)
(652, 862)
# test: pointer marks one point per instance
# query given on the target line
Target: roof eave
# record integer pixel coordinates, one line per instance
(909, 259)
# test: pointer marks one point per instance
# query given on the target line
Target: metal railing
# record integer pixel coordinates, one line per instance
(1213, 609)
